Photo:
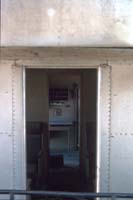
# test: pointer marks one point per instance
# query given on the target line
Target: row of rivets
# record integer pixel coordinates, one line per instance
(109, 122)
(13, 125)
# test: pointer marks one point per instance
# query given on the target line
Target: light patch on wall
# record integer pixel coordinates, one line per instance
(51, 12)
(122, 32)
(130, 30)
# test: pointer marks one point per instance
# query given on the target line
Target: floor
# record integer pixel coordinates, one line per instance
(67, 177)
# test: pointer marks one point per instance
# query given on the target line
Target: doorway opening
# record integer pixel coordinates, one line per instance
(61, 132)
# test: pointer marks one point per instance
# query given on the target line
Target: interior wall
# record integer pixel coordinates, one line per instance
(88, 126)
(37, 85)
(38, 82)
(64, 78)
(59, 142)
(36, 95)
(37, 111)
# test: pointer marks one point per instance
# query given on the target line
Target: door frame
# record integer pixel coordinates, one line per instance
(98, 116)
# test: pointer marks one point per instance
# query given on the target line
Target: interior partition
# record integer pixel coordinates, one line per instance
(37, 128)
(88, 127)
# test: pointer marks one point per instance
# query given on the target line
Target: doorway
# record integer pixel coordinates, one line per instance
(61, 132)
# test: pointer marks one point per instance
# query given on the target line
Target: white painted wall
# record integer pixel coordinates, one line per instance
(66, 23)
(116, 126)
(12, 137)
(121, 138)
(6, 138)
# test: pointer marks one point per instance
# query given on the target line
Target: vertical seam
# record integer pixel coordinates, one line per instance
(13, 126)
(109, 122)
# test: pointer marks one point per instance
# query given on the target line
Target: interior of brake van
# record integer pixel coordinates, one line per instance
(61, 129)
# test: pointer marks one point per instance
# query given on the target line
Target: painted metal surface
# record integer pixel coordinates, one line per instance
(121, 141)
(6, 147)
(116, 153)
(68, 195)
(116, 173)
(12, 157)
(67, 23)
(65, 57)
(105, 128)
(19, 154)
(98, 130)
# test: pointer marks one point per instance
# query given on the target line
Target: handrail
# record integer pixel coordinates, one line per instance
(67, 195)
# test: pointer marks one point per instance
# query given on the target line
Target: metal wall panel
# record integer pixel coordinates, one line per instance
(105, 127)
(116, 100)
(12, 149)
(116, 174)
(121, 146)
(19, 154)
(6, 147)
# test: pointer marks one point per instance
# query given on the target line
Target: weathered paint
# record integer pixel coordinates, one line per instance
(67, 23)
(65, 57)
(116, 112)
(12, 143)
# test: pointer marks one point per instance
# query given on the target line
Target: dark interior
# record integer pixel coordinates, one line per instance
(60, 168)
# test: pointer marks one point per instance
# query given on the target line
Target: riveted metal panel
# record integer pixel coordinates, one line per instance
(116, 116)
(5, 127)
(121, 145)
(105, 112)
(12, 149)
(19, 158)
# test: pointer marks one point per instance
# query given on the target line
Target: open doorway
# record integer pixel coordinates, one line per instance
(61, 129)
